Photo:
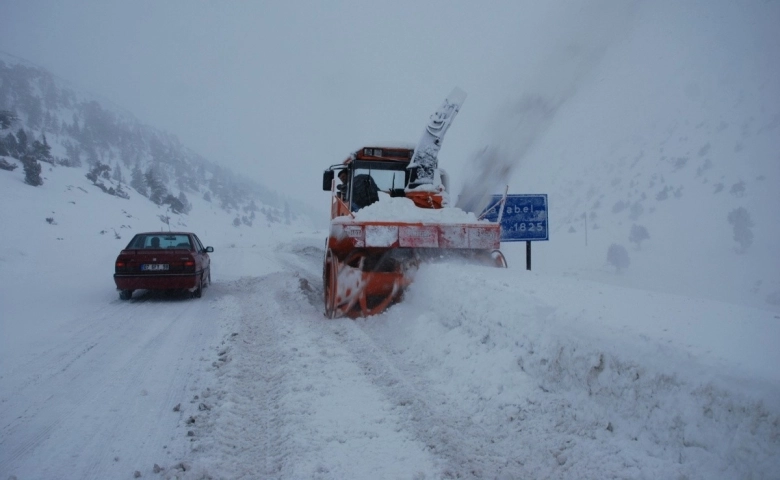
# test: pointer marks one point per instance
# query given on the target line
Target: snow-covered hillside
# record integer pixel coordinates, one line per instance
(51, 122)
(673, 131)
(479, 373)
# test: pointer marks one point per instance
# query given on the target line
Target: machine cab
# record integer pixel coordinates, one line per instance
(358, 181)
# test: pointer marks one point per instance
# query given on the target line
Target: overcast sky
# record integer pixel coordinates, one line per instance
(280, 90)
(283, 89)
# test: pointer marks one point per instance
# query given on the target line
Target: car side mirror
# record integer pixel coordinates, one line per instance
(327, 180)
(209, 249)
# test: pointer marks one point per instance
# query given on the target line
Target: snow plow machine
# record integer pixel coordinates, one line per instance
(389, 213)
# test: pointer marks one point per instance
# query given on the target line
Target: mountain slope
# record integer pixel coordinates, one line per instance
(122, 154)
(666, 147)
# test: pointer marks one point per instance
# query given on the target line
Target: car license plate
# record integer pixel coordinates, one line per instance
(154, 266)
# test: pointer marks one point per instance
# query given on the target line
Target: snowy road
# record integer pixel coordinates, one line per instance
(333, 403)
(121, 386)
(252, 382)
(100, 399)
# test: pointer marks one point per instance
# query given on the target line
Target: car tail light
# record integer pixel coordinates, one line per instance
(120, 265)
(189, 265)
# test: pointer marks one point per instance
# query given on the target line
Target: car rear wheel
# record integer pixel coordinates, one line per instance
(125, 294)
(199, 291)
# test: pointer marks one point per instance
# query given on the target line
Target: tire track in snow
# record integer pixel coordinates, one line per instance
(91, 374)
(296, 405)
(183, 376)
(48, 370)
(448, 434)
(241, 421)
(143, 360)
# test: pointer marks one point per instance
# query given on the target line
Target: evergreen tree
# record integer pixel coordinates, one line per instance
(99, 170)
(138, 181)
(7, 166)
(117, 175)
(51, 123)
(46, 146)
(157, 190)
(32, 171)
(7, 117)
(21, 139)
(186, 205)
(75, 130)
(287, 213)
(73, 153)
(119, 192)
(42, 151)
(175, 203)
(92, 156)
(11, 145)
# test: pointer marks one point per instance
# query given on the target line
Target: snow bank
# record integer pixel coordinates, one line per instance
(579, 381)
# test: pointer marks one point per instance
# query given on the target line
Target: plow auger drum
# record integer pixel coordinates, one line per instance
(368, 266)
(363, 283)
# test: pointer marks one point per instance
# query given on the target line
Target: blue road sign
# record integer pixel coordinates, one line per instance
(525, 217)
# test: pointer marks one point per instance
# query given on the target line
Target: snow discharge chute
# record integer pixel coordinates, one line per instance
(426, 154)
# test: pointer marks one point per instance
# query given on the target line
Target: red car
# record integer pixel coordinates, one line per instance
(163, 261)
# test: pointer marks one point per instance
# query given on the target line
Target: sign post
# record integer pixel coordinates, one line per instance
(524, 219)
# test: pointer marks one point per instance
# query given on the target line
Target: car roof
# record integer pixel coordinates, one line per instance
(165, 233)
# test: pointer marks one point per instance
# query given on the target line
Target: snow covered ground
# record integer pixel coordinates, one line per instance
(479, 373)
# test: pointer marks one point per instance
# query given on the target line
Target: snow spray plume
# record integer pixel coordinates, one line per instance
(527, 119)
(519, 124)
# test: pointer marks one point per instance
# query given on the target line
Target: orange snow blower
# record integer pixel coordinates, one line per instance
(390, 213)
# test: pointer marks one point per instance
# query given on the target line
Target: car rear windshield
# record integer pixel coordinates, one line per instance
(160, 241)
